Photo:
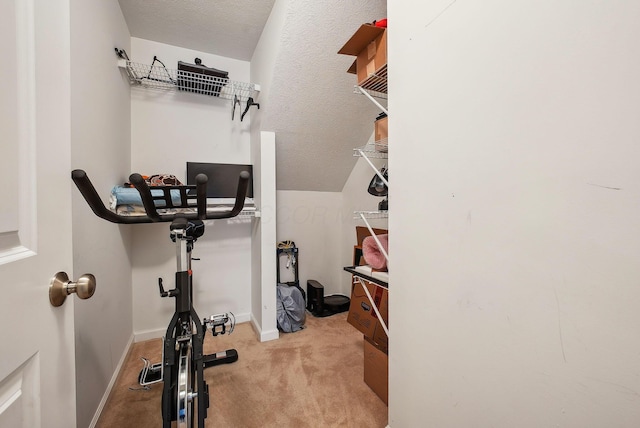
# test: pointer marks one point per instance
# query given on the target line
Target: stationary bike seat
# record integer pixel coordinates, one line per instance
(193, 228)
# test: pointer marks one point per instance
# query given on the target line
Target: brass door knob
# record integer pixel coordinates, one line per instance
(60, 287)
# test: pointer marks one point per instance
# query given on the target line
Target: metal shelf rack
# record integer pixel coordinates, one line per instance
(370, 215)
(375, 86)
(165, 79)
(375, 150)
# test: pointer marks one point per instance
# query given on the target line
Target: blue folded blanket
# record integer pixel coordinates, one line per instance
(121, 195)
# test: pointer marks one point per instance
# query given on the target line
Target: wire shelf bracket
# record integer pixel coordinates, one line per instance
(375, 86)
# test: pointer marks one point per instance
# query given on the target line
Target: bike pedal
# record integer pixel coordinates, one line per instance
(151, 375)
(221, 323)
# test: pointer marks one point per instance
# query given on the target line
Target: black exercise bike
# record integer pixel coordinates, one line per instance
(185, 395)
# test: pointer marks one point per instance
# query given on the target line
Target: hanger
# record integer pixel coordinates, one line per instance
(122, 54)
(236, 101)
(250, 103)
(155, 58)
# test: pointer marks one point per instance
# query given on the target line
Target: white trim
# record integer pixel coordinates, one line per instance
(264, 336)
(141, 336)
(148, 335)
(112, 382)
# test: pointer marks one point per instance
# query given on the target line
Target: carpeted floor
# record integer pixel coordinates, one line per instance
(311, 378)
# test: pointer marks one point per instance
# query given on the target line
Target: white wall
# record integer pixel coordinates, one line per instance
(513, 296)
(263, 269)
(100, 144)
(263, 156)
(313, 220)
(169, 129)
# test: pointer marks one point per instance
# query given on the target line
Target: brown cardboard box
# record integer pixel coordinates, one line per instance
(369, 46)
(381, 132)
(379, 336)
(361, 314)
(363, 231)
(376, 370)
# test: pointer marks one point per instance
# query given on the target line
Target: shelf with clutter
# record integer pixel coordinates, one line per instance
(191, 78)
(369, 45)
(368, 310)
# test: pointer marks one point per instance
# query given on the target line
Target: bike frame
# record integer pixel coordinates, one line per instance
(180, 332)
(185, 333)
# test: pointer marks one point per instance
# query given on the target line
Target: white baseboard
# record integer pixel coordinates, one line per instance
(141, 336)
(266, 335)
(112, 382)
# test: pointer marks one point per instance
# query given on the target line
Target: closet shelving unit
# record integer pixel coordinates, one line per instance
(160, 78)
(373, 88)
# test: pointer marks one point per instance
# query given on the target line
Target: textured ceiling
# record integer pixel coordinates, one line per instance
(229, 28)
(317, 117)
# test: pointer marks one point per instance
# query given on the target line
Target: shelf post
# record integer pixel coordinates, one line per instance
(384, 180)
(373, 100)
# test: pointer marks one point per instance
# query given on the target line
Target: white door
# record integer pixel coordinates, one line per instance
(37, 375)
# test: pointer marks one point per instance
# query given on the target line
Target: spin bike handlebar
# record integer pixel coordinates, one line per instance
(151, 215)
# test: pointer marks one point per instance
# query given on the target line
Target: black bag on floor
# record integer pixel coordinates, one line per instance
(291, 308)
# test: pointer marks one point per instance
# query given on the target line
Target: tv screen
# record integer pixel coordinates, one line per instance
(223, 178)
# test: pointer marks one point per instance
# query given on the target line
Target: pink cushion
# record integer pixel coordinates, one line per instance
(371, 252)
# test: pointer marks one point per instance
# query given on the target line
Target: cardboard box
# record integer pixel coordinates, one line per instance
(363, 231)
(363, 317)
(369, 46)
(381, 132)
(381, 127)
(379, 336)
(376, 370)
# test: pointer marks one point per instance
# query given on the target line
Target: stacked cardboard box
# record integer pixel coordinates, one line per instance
(381, 132)
(362, 315)
(369, 45)
(376, 370)
(376, 342)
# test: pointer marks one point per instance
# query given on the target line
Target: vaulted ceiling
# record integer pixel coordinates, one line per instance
(317, 117)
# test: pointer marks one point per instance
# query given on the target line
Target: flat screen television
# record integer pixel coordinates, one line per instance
(223, 178)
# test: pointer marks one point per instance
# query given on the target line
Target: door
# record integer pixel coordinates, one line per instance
(37, 376)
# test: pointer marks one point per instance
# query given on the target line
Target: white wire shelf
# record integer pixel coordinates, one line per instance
(376, 84)
(370, 214)
(376, 150)
(244, 216)
(165, 79)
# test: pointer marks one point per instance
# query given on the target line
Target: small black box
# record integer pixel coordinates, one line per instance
(321, 306)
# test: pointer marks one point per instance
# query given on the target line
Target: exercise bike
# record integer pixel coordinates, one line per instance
(185, 395)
